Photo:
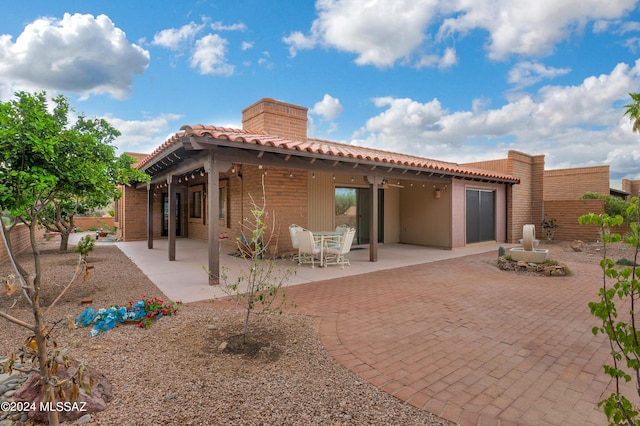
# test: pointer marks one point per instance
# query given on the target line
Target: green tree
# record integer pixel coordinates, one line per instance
(259, 284)
(44, 159)
(633, 111)
(617, 314)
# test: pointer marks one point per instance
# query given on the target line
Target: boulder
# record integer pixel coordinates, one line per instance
(577, 246)
(101, 393)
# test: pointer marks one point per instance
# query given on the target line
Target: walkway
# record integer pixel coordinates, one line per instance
(454, 336)
(468, 342)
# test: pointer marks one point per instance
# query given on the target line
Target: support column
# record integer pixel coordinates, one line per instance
(213, 208)
(149, 216)
(373, 226)
(172, 219)
(374, 181)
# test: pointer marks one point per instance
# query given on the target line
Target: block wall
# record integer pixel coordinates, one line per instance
(570, 184)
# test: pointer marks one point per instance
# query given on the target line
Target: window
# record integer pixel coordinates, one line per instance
(223, 214)
(196, 204)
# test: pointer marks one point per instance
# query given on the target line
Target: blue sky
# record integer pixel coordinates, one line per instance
(455, 80)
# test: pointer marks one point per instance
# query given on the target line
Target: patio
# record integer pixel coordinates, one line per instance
(452, 336)
(185, 279)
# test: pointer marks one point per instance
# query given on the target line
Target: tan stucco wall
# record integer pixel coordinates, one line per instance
(425, 220)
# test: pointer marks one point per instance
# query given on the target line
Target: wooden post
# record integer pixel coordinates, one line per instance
(149, 216)
(172, 219)
(374, 181)
(373, 224)
(213, 223)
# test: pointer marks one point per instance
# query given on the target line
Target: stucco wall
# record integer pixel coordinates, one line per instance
(425, 220)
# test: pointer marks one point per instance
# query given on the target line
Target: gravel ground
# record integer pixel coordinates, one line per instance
(175, 373)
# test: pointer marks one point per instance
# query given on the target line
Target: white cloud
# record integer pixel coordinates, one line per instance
(79, 53)
(379, 33)
(246, 45)
(529, 28)
(328, 108)
(528, 73)
(298, 41)
(384, 32)
(173, 38)
(219, 26)
(447, 60)
(572, 125)
(209, 56)
(143, 136)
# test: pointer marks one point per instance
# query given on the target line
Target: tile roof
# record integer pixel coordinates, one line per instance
(329, 148)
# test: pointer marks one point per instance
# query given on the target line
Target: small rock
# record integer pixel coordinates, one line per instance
(84, 419)
(86, 301)
(222, 346)
(212, 327)
(170, 397)
(577, 245)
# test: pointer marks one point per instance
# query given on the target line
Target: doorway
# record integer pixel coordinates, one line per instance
(165, 215)
(352, 207)
(480, 212)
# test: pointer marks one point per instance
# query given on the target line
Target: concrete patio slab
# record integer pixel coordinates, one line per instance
(186, 279)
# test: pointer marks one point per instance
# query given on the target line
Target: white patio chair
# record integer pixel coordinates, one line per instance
(343, 228)
(293, 231)
(335, 255)
(308, 250)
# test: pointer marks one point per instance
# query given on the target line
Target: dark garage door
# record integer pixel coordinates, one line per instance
(480, 216)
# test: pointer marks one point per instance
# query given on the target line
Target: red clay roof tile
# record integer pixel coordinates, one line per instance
(330, 148)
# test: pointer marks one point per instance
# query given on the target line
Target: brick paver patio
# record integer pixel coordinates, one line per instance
(468, 342)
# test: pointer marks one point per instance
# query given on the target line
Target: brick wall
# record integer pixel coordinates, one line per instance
(19, 241)
(570, 184)
(286, 200)
(631, 186)
(84, 223)
(276, 118)
(133, 215)
(566, 214)
(524, 201)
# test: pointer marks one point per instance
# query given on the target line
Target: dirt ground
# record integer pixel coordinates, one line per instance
(190, 368)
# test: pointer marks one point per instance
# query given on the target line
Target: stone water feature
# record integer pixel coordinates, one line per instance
(529, 252)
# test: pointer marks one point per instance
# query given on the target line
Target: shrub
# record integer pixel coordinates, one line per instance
(613, 206)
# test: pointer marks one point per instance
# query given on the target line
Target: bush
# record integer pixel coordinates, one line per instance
(613, 206)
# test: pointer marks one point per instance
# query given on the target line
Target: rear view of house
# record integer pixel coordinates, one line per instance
(204, 178)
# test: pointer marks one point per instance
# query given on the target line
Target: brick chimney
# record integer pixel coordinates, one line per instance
(276, 119)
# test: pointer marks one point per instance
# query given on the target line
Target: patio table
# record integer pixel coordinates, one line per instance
(323, 238)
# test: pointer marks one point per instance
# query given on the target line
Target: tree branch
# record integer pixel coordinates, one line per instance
(16, 321)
